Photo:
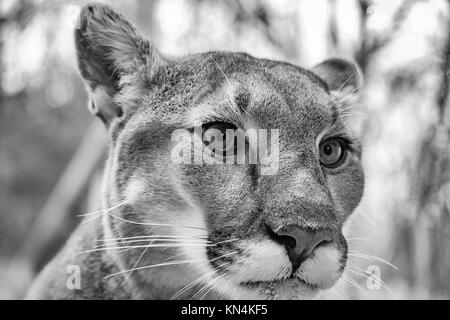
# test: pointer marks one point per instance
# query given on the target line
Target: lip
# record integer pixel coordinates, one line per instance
(279, 282)
(291, 288)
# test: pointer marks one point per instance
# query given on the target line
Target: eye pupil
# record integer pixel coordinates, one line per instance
(328, 150)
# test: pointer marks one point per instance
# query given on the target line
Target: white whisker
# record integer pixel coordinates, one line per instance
(170, 263)
(145, 238)
(357, 254)
(137, 262)
(209, 284)
(225, 241)
(352, 282)
(104, 210)
(343, 84)
(218, 279)
(145, 246)
(153, 240)
(369, 276)
(229, 82)
(352, 239)
(190, 285)
(153, 224)
(354, 114)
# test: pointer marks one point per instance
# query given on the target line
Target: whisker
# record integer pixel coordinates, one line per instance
(91, 219)
(190, 285)
(192, 241)
(170, 263)
(114, 245)
(171, 241)
(229, 82)
(107, 211)
(357, 254)
(146, 237)
(209, 284)
(103, 210)
(343, 84)
(153, 240)
(225, 241)
(123, 250)
(347, 115)
(153, 224)
(218, 279)
(349, 95)
(137, 261)
(145, 246)
(370, 276)
(348, 107)
(352, 239)
(351, 282)
(355, 112)
(174, 256)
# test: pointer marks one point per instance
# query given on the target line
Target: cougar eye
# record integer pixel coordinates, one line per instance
(212, 131)
(332, 152)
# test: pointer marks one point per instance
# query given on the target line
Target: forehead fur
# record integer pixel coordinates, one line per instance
(247, 85)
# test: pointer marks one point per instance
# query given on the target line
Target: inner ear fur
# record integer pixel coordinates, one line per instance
(109, 52)
(340, 75)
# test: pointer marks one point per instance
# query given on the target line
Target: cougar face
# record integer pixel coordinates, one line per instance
(230, 229)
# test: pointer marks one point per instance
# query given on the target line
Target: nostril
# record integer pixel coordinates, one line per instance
(287, 241)
(284, 239)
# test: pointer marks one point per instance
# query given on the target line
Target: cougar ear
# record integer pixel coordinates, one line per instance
(109, 51)
(340, 75)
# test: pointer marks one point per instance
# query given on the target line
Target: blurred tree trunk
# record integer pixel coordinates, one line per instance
(371, 43)
(18, 14)
(432, 191)
(52, 224)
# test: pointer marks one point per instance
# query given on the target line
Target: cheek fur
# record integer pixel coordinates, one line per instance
(347, 188)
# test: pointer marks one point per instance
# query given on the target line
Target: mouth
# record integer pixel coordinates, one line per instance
(287, 288)
(291, 279)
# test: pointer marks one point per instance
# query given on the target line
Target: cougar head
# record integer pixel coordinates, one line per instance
(268, 226)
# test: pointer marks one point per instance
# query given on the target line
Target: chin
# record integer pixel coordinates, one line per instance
(283, 289)
(286, 289)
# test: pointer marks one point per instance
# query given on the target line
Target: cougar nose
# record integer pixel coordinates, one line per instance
(299, 242)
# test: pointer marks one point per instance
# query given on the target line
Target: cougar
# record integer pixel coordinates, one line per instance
(175, 226)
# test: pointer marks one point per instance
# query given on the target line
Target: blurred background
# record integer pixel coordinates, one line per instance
(51, 149)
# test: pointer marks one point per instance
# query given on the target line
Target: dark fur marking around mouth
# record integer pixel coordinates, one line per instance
(215, 252)
(221, 263)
